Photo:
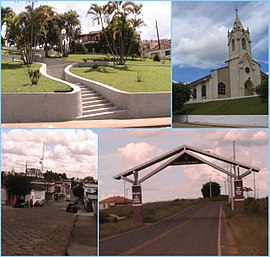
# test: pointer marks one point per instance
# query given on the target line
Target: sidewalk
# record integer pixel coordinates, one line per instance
(112, 123)
(83, 240)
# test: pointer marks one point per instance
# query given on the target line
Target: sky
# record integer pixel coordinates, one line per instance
(70, 151)
(161, 13)
(199, 35)
(121, 150)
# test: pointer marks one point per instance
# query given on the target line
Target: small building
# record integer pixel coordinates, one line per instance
(152, 48)
(90, 197)
(60, 190)
(42, 190)
(113, 201)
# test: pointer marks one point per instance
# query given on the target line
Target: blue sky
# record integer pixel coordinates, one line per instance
(123, 149)
(199, 35)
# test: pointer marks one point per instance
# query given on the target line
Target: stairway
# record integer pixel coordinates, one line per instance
(96, 107)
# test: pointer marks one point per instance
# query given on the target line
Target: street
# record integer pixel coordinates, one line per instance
(196, 230)
(40, 230)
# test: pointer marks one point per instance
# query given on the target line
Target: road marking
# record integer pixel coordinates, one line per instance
(219, 231)
(154, 239)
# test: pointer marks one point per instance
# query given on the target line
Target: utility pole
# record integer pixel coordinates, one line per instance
(159, 47)
(210, 187)
(254, 185)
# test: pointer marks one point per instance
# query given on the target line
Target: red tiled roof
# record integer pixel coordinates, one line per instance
(116, 200)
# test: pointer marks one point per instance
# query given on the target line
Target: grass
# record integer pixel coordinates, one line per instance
(15, 79)
(130, 61)
(251, 228)
(245, 106)
(152, 212)
(152, 78)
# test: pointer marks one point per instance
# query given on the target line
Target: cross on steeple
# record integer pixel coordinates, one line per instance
(236, 10)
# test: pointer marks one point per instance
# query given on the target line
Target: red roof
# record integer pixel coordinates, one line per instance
(116, 200)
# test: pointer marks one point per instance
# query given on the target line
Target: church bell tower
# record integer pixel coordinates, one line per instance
(244, 71)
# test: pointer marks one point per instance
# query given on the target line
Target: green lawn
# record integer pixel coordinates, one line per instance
(245, 106)
(130, 61)
(154, 78)
(15, 79)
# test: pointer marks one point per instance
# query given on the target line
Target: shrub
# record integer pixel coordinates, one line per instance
(139, 76)
(156, 58)
(80, 48)
(34, 76)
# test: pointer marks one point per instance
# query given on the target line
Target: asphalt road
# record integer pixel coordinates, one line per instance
(196, 230)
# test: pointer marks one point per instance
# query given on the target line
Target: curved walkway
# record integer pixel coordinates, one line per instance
(94, 106)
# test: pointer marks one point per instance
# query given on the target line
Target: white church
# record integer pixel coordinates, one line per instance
(240, 75)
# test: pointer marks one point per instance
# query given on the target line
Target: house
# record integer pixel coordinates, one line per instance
(91, 197)
(113, 201)
(152, 48)
(238, 78)
(60, 190)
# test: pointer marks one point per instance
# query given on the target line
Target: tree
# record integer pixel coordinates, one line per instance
(79, 191)
(262, 90)
(215, 189)
(18, 185)
(119, 22)
(181, 94)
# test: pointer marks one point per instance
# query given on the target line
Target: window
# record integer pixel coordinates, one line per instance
(233, 45)
(221, 89)
(203, 91)
(244, 44)
(194, 93)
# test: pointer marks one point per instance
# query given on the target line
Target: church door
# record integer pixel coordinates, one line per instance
(249, 88)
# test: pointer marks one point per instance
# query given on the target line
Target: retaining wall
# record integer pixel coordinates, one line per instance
(41, 107)
(139, 105)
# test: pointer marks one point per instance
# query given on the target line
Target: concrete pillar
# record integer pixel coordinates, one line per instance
(137, 203)
(239, 206)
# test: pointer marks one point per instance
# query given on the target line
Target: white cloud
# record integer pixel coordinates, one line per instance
(71, 151)
(200, 31)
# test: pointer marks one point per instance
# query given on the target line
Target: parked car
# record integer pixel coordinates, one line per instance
(20, 204)
(72, 207)
(39, 203)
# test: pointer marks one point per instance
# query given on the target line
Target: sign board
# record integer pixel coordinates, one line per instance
(136, 194)
(238, 187)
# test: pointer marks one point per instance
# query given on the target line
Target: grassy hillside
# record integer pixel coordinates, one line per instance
(250, 229)
(245, 106)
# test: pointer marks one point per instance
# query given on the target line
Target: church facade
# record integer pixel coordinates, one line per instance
(240, 75)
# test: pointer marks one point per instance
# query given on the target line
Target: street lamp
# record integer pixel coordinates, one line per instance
(63, 41)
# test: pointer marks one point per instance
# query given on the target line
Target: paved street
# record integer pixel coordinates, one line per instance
(196, 230)
(37, 231)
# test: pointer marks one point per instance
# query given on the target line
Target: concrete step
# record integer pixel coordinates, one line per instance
(88, 94)
(99, 110)
(97, 106)
(91, 98)
(118, 114)
(102, 100)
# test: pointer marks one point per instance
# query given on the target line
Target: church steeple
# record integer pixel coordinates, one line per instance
(238, 39)
(237, 23)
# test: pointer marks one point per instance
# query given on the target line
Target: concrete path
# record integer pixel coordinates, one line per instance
(83, 240)
(109, 123)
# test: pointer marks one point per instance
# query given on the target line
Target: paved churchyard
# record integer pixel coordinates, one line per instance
(36, 231)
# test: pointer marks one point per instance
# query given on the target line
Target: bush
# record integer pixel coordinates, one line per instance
(181, 95)
(34, 76)
(80, 49)
(156, 58)
(103, 217)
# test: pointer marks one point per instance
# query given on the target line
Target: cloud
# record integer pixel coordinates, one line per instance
(200, 31)
(71, 151)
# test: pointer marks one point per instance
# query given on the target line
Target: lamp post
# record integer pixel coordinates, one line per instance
(63, 42)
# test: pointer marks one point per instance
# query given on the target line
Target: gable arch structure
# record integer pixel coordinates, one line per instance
(185, 155)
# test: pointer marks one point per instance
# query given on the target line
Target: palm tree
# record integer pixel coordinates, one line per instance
(71, 23)
(119, 29)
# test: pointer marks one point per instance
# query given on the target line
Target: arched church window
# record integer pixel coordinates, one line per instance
(233, 45)
(221, 89)
(244, 44)
(194, 93)
(203, 91)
